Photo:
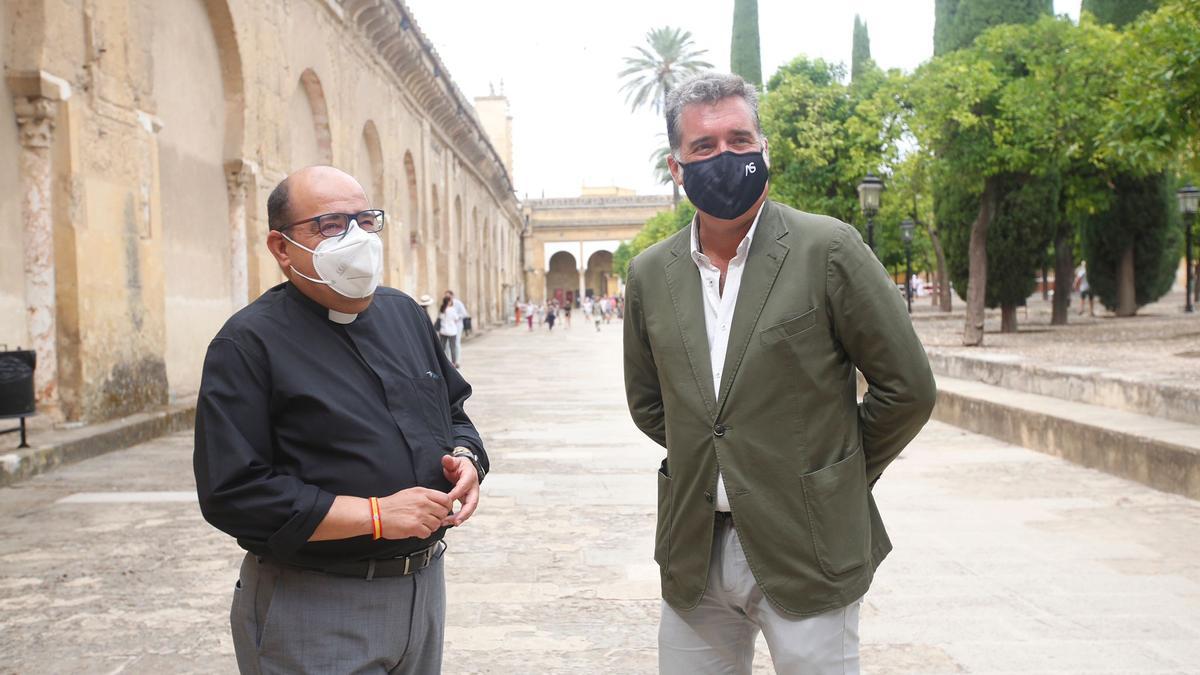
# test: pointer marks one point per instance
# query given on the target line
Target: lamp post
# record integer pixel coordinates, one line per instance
(868, 198)
(906, 232)
(1189, 201)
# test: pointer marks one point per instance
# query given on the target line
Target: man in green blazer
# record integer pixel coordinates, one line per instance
(742, 336)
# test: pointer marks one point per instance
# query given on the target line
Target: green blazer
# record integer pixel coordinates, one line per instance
(798, 453)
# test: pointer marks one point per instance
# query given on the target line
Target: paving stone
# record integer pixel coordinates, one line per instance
(1006, 560)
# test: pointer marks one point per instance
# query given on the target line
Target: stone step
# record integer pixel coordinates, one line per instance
(1094, 386)
(1161, 453)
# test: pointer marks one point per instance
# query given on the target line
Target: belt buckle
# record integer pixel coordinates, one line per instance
(407, 564)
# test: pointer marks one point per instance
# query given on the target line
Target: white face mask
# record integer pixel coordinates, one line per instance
(351, 264)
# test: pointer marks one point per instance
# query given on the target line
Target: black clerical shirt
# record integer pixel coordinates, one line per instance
(295, 409)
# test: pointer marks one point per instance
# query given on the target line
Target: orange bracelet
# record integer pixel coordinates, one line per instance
(376, 520)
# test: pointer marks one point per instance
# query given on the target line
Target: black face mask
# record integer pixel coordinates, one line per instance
(725, 186)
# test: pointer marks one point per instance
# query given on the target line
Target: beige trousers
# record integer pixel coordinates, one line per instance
(718, 636)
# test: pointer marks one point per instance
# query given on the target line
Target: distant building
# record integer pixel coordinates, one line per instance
(570, 242)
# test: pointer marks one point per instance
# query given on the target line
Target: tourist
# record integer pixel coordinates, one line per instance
(766, 520)
(449, 328)
(294, 434)
(551, 316)
(1085, 290)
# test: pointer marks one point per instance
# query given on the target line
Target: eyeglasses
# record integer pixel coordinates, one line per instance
(336, 224)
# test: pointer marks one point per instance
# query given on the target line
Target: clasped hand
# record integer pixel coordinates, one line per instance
(419, 512)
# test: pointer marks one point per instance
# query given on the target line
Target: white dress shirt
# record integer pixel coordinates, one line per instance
(718, 313)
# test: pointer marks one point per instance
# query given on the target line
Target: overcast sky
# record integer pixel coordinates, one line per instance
(558, 61)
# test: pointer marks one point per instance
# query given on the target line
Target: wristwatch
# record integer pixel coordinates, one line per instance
(466, 452)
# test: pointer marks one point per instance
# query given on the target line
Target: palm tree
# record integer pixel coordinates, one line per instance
(668, 57)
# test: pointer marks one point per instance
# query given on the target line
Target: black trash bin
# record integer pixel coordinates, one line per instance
(16, 388)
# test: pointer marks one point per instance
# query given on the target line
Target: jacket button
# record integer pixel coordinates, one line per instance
(719, 430)
(708, 497)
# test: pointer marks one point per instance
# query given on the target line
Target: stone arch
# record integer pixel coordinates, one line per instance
(370, 174)
(562, 277)
(418, 275)
(308, 117)
(599, 280)
(221, 21)
(191, 68)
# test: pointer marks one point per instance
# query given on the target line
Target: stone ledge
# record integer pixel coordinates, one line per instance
(58, 447)
(1162, 454)
(1094, 386)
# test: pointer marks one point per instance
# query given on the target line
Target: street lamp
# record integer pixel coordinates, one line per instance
(1189, 201)
(906, 232)
(868, 198)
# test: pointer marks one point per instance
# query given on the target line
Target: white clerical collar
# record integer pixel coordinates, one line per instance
(341, 317)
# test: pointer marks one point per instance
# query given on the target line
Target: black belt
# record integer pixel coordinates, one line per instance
(400, 566)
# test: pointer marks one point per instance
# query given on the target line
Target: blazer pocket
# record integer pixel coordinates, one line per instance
(838, 516)
(789, 328)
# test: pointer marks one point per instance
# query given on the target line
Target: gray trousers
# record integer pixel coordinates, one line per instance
(287, 620)
(718, 635)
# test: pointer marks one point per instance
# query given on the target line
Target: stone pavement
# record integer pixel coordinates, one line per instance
(1161, 345)
(1006, 560)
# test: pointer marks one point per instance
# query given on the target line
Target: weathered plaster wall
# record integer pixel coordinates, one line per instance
(182, 117)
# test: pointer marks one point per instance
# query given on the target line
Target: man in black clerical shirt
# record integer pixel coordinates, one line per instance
(331, 441)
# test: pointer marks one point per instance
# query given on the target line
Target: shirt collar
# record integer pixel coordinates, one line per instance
(743, 247)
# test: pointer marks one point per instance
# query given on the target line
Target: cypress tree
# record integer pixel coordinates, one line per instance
(1138, 227)
(943, 26)
(861, 53)
(1118, 12)
(1139, 223)
(958, 22)
(744, 56)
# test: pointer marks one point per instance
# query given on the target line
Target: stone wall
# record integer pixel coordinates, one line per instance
(139, 142)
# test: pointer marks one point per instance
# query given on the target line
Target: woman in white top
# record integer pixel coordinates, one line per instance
(449, 326)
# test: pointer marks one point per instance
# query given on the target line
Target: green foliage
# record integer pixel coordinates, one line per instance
(825, 135)
(1154, 118)
(1118, 12)
(659, 227)
(1025, 104)
(908, 196)
(958, 23)
(744, 56)
(662, 172)
(861, 54)
(943, 26)
(668, 57)
(1020, 231)
(1141, 213)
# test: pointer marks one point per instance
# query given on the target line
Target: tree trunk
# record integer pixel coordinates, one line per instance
(1064, 278)
(1045, 283)
(1126, 290)
(977, 257)
(943, 296)
(1196, 284)
(674, 193)
(1008, 318)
